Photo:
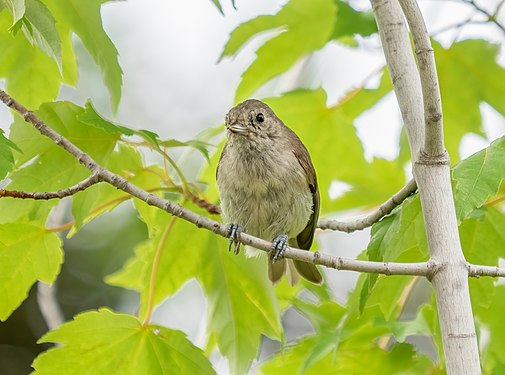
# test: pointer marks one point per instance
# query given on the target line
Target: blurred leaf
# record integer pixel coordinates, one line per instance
(400, 234)
(218, 6)
(241, 303)
(84, 19)
(324, 316)
(175, 265)
(195, 143)
(27, 253)
(6, 157)
(402, 329)
(478, 177)
(16, 8)
(105, 342)
(39, 27)
(483, 242)
(311, 22)
(492, 316)
(350, 358)
(32, 76)
(468, 74)
(351, 22)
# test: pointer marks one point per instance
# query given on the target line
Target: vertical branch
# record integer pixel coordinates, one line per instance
(434, 132)
(432, 173)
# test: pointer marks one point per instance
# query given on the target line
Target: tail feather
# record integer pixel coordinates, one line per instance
(308, 271)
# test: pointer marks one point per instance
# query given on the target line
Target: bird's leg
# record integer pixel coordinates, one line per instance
(279, 245)
(234, 231)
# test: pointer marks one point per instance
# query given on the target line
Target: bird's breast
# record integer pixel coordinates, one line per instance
(266, 193)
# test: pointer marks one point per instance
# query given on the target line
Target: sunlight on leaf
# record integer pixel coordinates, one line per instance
(27, 254)
(106, 342)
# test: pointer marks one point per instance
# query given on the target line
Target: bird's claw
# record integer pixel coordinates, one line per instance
(234, 231)
(279, 245)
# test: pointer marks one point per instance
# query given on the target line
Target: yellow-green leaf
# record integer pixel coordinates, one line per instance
(27, 253)
(105, 342)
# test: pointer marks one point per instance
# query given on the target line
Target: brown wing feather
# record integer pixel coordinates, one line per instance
(306, 236)
(304, 239)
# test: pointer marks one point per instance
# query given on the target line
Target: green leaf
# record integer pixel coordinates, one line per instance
(84, 19)
(6, 157)
(399, 235)
(32, 76)
(350, 358)
(39, 27)
(91, 117)
(468, 74)
(105, 342)
(236, 287)
(218, 6)
(98, 199)
(194, 143)
(241, 303)
(351, 22)
(483, 242)
(302, 27)
(174, 265)
(16, 8)
(402, 329)
(51, 167)
(478, 177)
(27, 253)
(492, 317)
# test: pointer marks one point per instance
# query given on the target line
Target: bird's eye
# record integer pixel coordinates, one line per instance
(260, 117)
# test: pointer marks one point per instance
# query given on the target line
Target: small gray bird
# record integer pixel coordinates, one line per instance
(268, 187)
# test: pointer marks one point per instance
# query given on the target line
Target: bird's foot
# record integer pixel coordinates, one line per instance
(279, 245)
(234, 231)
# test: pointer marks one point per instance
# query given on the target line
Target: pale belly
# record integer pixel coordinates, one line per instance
(267, 204)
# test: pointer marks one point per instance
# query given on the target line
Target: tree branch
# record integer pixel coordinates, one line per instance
(434, 132)
(367, 221)
(83, 185)
(478, 271)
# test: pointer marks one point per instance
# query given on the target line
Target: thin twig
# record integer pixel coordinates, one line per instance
(367, 221)
(478, 271)
(491, 17)
(81, 186)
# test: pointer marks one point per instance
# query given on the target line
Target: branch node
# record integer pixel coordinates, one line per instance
(424, 50)
(433, 268)
(27, 115)
(426, 159)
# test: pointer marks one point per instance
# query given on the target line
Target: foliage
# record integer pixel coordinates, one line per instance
(368, 333)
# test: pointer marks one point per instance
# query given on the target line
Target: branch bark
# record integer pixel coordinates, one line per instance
(83, 185)
(367, 221)
(432, 173)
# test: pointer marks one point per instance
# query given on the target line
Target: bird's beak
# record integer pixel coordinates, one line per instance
(237, 129)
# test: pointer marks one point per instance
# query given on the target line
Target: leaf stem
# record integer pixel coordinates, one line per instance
(154, 270)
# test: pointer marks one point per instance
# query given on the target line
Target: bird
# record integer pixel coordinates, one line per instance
(268, 188)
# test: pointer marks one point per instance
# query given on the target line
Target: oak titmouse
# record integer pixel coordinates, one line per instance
(268, 187)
